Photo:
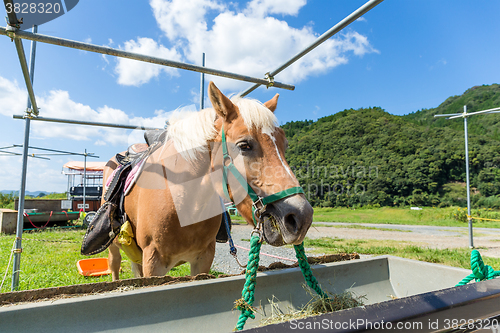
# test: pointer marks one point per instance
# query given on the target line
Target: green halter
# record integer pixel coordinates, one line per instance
(259, 203)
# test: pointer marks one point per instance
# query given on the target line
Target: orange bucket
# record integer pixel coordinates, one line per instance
(93, 267)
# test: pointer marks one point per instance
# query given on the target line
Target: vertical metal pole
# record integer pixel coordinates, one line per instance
(22, 191)
(84, 177)
(469, 220)
(202, 85)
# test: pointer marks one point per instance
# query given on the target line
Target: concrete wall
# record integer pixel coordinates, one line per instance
(206, 306)
(8, 221)
(43, 205)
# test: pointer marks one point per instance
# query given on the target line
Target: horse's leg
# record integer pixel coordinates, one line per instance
(151, 262)
(137, 270)
(204, 260)
(114, 261)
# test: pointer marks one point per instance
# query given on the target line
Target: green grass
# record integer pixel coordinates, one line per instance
(459, 257)
(49, 260)
(356, 226)
(389, 215)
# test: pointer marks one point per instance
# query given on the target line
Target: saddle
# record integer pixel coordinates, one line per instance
(107, 222)
(110, 217)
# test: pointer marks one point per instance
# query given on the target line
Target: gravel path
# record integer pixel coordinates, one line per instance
(486, 239)
(224, 261)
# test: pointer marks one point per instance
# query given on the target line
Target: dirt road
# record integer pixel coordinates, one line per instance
(487, 240)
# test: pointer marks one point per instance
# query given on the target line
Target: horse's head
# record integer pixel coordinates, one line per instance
(257, 146)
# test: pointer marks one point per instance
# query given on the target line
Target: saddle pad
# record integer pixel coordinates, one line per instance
(117, 179)
(133, 175)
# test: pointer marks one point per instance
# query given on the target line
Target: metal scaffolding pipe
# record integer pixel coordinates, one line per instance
(59, 151)
(31, 103)
(338, 27)
(12, 17)
(202, 85)
(469, 219)
(26, 74)
(447, 115)
(130, 55)
(89, 123)
(465, 114)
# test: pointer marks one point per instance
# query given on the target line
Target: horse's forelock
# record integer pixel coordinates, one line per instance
(255, 114)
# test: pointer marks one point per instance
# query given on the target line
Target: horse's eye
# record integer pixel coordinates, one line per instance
(244, 146)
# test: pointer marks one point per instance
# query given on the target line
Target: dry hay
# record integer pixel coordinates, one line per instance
(316, 306)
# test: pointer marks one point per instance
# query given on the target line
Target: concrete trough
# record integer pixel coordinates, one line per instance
(206, 306)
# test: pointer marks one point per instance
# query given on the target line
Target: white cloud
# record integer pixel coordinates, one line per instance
(263, 7)
(100, 143)
(135, 73)
(184, 18)
(45, 178)
(250, 41)
(12, 98)
(58, 104)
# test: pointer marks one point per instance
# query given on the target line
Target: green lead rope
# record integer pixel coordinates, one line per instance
(480, 271)
(247, 295)
(245, 303)
(306, 270)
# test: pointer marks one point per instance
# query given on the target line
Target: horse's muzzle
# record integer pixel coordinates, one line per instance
(287, 221)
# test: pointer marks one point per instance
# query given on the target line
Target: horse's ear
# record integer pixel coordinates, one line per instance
(272, 103)
(222, 105)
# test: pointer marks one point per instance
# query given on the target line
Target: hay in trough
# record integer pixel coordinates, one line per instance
(316, 306)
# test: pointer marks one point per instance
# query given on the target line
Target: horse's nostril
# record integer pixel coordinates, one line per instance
(291, 223)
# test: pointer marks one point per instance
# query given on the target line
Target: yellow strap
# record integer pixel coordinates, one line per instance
(129, 246)
(126, 234)
(481, 218)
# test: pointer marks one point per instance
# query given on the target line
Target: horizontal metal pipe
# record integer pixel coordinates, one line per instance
(494, 110)
(58, 151)
(337, 28)
(89, 123)
(18, 154)
(9, 152)
(136, 56)
(447, 115)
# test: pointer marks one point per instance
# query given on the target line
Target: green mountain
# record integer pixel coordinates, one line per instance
(476, 98)
(370, 157)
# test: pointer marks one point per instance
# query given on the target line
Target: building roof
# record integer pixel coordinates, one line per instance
(91, 166)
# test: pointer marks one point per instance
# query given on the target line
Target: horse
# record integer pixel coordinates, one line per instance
(174, 207)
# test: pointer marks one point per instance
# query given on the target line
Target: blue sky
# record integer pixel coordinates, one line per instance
(402, 56)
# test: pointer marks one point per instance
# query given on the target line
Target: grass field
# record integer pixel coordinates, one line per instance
(389, 215)
(49, 260)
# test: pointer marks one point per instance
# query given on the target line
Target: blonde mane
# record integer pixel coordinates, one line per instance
(190, 130)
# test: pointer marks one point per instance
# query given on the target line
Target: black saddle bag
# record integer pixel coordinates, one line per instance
(102, 230)
(108, 220)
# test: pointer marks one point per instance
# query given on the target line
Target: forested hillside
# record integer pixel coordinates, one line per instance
(370, 157)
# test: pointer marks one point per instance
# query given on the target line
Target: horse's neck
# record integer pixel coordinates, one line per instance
(178, 166)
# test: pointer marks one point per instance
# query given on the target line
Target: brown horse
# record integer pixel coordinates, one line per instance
(174, 207)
